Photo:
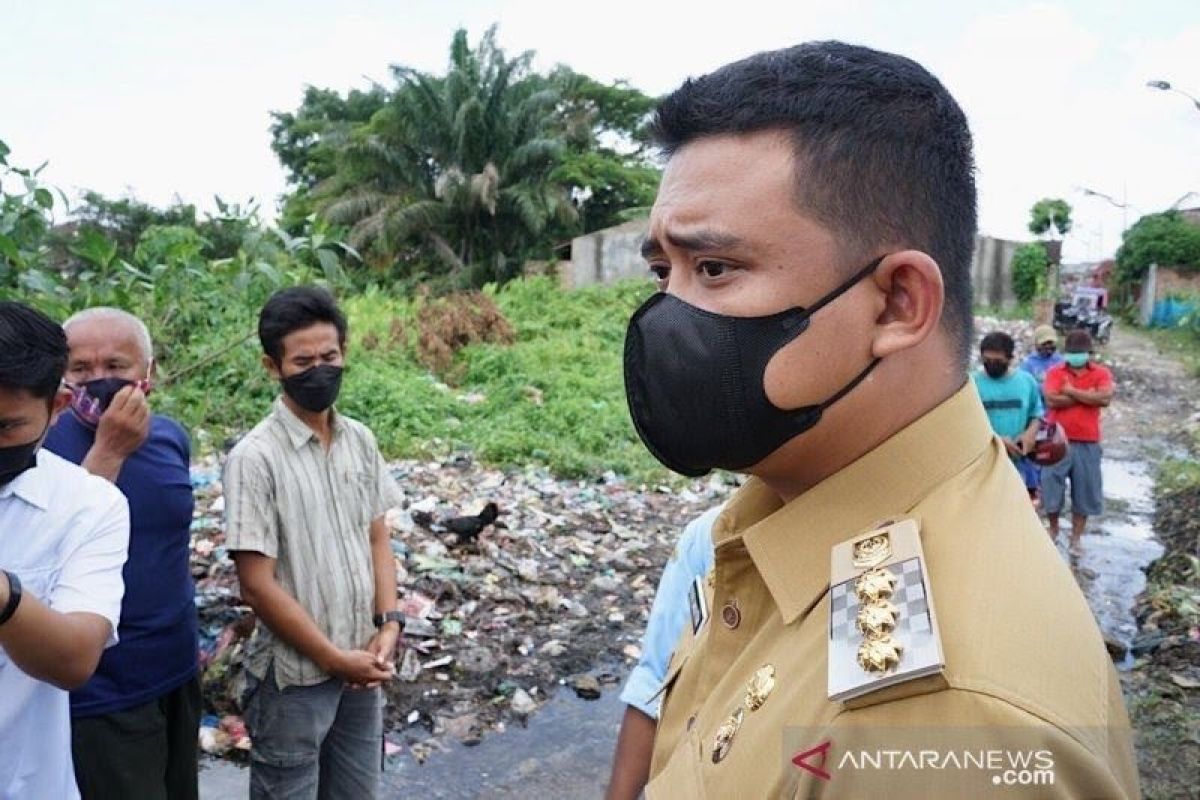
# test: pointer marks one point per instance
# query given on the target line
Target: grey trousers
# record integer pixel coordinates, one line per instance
(319, 742)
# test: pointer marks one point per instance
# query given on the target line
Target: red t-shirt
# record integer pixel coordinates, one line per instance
(1081, 422)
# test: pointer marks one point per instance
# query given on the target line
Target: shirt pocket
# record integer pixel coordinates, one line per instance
(360, 493)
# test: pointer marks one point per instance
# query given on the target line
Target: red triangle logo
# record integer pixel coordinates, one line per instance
(801, 760)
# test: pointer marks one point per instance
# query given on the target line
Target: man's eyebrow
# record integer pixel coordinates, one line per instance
(651, 247)
(696, 241)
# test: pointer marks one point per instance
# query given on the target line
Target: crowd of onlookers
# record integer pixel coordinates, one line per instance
(97, 617)
(1048, 394)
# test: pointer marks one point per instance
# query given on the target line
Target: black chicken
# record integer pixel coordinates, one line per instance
(467, 529)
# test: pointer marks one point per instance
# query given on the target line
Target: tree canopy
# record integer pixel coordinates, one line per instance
(465, 175)
(1166, 239)
(1050, 216)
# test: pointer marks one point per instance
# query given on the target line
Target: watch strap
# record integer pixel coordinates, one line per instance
(389, 616)
(14, 597)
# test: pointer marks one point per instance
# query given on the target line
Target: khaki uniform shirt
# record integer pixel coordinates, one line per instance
(1028, 703)
(289, 499)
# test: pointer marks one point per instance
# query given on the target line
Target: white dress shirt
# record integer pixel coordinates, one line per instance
(65, 534)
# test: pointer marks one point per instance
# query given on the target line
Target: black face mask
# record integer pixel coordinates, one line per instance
(19, 458)
(995, 369)
(315, 389)
(694, 382)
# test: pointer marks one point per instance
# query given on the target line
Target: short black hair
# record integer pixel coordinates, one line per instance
(885, 151)
(295, 309)
(33, 350)
(1078, 341)
(998, 342)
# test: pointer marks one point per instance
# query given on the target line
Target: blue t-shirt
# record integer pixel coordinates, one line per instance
(157, 650)
(1037, 366)
(1011, 402)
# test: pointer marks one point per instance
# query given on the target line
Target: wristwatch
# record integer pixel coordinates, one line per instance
(14, 597)
(389, 616)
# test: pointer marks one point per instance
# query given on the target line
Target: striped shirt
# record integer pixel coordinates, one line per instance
(311, 510)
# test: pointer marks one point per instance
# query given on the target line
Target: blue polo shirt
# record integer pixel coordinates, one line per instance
(157, 649)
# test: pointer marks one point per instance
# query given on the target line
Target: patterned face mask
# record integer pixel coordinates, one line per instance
(91, 399)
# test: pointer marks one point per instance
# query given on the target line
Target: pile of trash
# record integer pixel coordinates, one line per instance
(499, 615)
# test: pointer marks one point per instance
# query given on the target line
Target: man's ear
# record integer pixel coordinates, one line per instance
(62, 401)
(913, 294)
(152, 369)
(271, 367)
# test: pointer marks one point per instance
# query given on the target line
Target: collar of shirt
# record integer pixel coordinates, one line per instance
(297, 429)
(789, 544)
(31, 485)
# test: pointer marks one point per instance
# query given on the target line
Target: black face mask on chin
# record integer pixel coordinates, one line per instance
(19, 458)
(315, 389)
(694, 382)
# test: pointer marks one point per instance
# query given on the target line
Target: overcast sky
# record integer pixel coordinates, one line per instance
(165, 99)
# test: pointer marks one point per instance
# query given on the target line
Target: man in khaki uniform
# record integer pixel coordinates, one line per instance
(812, 237)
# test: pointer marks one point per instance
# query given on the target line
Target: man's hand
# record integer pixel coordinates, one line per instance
(126, 424)
(383, 644)
(383, 647)
(359, 668)
(1028, 441)
(1011, 447)
(122, 430)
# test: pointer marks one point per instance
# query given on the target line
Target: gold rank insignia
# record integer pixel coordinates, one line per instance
(882, 626)
(760, 687)
(723, 741)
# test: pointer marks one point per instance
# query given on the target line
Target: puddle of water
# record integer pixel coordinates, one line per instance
(1129, 483)
(1114, 554)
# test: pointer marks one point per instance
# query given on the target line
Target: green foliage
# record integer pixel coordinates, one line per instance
(25, 219)
(1029, 271)
(554, 397)
(455, 169)
(307, 142)
(123, 221)
(1050, 215)
(462, 177)
(1166, 239)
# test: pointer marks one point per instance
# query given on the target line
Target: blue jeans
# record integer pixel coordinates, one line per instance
(313, 742)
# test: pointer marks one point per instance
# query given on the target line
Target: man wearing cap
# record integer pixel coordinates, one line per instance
(1045, 356)
(1076, 391)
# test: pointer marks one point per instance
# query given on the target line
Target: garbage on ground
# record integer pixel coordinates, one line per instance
(500, 611)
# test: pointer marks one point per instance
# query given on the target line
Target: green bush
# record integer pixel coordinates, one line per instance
(554, 397)
(1029, 272)
(1166, 239)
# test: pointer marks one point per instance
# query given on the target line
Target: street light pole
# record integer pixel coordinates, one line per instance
(1166, 86)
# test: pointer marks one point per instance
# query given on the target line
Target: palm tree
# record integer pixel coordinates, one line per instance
(456, 166)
